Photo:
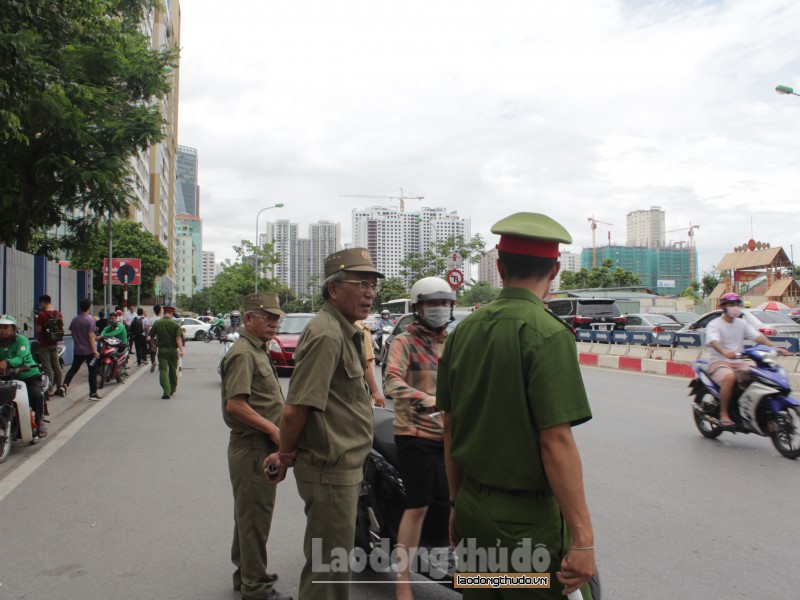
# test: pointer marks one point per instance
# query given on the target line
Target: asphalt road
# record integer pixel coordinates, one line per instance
(129, 499)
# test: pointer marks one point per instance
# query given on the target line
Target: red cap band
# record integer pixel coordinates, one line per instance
(528, 247)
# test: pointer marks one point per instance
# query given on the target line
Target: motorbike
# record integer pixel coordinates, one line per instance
(378, 344)
(113, 361)
(17, 419)
(760, 404)
(227, 344)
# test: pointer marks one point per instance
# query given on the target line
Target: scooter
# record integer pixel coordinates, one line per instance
(379, 344)
(113, 361)
(761, 404)
(17, 419)
(214, 333)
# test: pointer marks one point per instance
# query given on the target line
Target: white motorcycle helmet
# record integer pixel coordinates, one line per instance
(431, 288)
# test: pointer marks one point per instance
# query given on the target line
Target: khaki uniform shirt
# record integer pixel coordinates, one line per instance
(369, 353)
(249, 371)
(329, 378)
(507, 371)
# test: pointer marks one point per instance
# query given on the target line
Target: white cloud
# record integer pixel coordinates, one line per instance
(570, 108)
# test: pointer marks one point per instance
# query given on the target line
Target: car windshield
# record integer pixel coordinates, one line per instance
(772, 317)
(293, 325)
(660, 320)
(590, 309)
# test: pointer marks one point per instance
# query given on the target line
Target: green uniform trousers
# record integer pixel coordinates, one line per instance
(168, 369)
(253, 503)
(497, 520)
(330, 524)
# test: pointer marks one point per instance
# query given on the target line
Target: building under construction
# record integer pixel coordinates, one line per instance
(666, 271)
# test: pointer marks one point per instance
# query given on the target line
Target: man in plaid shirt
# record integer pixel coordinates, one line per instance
(411, 383)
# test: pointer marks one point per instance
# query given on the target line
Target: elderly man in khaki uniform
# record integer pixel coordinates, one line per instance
(252, 402)
(326, 427)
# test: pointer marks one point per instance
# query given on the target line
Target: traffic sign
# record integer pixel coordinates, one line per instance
(116, 263)
(455, 278)
(126, 274)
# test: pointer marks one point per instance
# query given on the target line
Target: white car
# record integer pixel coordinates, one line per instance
(193, 329)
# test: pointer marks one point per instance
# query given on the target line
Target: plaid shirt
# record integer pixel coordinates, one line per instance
(411, 380)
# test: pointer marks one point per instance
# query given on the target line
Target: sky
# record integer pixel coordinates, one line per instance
(571, 109)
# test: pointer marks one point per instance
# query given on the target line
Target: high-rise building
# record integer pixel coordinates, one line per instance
(209, 269)
(391, 235)
(192, 226)
(663, 270)
(646, 229)
(189, 191)
(487, 269)
(570, 262)
(184, 261)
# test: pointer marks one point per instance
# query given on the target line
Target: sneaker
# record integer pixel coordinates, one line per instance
(94, 397)
(152, 366)
(165, 397)
(62, 391)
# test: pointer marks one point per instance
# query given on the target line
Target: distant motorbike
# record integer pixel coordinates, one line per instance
(214, 333)
(379, 343)
(113, 361)
(17, 419)
(760, 405)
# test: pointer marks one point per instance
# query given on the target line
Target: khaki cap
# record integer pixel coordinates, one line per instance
(352, 259)
(531, 234)
(267, 302)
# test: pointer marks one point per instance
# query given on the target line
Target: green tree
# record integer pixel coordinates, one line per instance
(478, 293)
(130, 240)
(709, 282)
(79, 97)
(693, 291)
(599, 277)
(433, 262)
(392, 288)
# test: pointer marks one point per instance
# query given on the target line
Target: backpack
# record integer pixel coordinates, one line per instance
(53, 328)
(137, 327)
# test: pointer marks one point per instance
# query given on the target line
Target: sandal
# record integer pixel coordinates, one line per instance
(727, 424)
(43, 429)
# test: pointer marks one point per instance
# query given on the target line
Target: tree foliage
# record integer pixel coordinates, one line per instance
(693, 291)
(599, 277)
(79, 96)
(130, 240)
(478, 293)
(392, 288)
(433, 262)
(709, 282)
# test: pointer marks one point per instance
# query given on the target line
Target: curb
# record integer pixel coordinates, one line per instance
(640, 365)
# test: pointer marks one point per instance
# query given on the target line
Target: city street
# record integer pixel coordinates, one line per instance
(129, 498)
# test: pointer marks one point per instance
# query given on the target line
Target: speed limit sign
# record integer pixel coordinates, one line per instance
(455, 278)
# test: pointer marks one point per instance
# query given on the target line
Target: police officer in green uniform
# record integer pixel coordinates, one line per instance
(326, 427)
(166, 335)
(252, 402)
(511, 389)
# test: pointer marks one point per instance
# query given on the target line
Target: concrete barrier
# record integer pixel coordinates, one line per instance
(609, 362)
(686, 355)
(599, 348)
(656, 366)
(618, 350)
(659, 353)
(639, 351)
(584, 346)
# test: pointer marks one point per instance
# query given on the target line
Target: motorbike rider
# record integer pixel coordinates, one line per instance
(725, 336)
(385, 320)
(219, 325)
(411, 382)
(236, 321)
(15, 351)
(115, 329)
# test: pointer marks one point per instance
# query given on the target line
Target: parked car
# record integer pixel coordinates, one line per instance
(207, 319)
(792, 313)
(651, 323)
(679, 316)
(193, 329)
(400, 327)
(768, 322)
(282, 347)
(588, 313)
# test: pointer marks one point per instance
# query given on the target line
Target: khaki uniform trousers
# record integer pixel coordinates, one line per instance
(331, 520)
(253, 503)
(168, 369)
(491, 517)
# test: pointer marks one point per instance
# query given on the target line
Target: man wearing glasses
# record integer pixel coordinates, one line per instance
(326, 427)
(252, 402)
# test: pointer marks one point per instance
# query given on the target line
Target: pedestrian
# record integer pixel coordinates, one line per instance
(156, 317)
(84, 347)
(140, 325)
(101, 322)
(166, 335)
(15, 351)
(49, 330)
(411, 383)
(511, 390)
(326, 427)
(374, 391)
(252, 403)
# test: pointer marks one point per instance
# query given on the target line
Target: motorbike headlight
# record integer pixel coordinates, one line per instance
(274, 346)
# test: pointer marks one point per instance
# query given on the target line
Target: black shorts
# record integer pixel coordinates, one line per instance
(422, 469)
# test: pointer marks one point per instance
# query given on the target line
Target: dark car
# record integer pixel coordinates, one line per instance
(283, 345)
(588, 313)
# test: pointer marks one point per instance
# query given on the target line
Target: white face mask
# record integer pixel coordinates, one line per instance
(734, 312)
(436, 316)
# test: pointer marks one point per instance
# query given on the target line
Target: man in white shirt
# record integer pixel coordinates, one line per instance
(725, 336)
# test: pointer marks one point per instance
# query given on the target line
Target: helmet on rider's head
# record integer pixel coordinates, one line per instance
(219, 315)
(8, 320)
(431, 288)
(236, 318)
(730, 298)
(119, 313)
(385, 313)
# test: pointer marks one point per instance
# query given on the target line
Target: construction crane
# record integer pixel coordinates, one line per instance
(402, 197)
(594, 223)
(690, 233)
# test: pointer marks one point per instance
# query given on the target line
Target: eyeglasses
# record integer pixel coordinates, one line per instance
(269, 318)
(364, 284)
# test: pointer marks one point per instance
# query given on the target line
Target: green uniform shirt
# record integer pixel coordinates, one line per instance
(248, 371)
(18, 353)
(116, 331)
(507, 371)
(165, 331)
(329, 378)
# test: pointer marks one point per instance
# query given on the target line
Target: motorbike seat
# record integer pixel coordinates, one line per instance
(383, 436)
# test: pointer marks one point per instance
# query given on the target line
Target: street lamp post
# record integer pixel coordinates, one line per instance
(785, 89)
(255, 252)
